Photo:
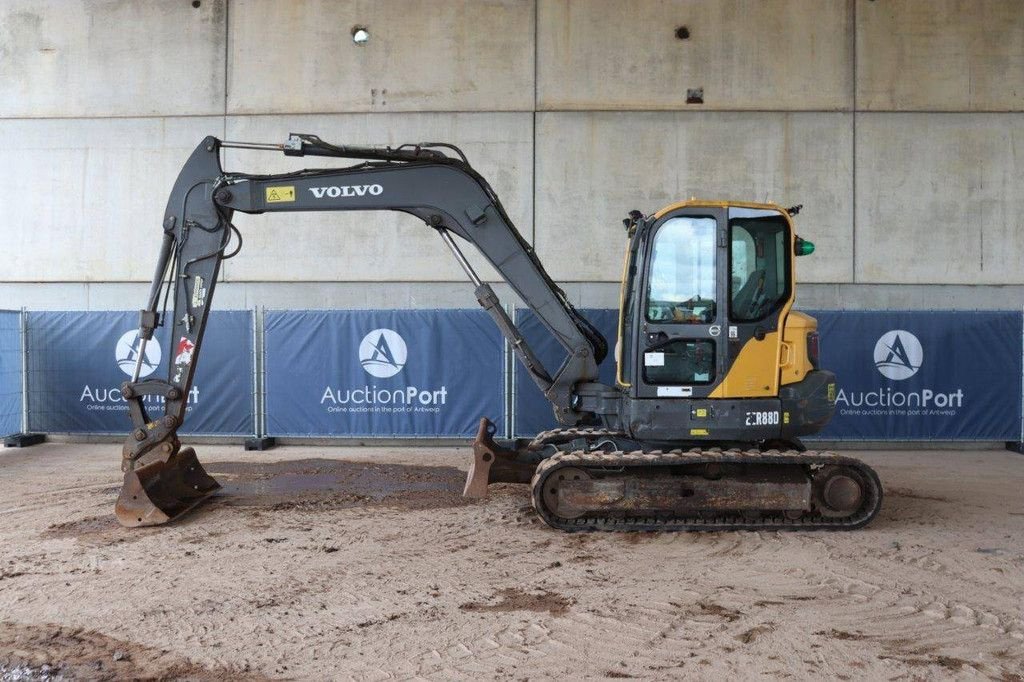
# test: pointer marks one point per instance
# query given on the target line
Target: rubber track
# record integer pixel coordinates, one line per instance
(564, 435)
(770, 521)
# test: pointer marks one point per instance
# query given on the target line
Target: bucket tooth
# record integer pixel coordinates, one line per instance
(161, 491)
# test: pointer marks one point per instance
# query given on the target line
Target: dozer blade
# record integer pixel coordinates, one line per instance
(161, 491)
(495, 464)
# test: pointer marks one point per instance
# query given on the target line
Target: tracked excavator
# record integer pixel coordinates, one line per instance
(717, 376)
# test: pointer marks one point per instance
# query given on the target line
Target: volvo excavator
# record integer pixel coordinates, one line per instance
(717, 376)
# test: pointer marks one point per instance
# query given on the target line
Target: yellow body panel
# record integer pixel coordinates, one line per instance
(754, 372)
(795, 362)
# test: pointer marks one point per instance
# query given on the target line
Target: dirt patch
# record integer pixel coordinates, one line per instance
(52, 652)
(96, 530)
(950, 663)
(911, 495)
(327, 484)
(841, 634)
(514, 599)
(719, 611)
(753, 633)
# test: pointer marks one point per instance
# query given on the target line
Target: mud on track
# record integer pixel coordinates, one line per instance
(310, 566)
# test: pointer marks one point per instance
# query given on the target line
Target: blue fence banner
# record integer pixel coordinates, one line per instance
(10, 372)
(923, 375)
(915, 375)
(404, 373)
(533, 412)
(77, 362)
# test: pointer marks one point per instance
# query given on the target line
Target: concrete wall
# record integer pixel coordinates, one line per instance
(896, 123)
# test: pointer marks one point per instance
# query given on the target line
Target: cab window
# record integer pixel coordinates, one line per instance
(758, 264)
(681, 284)
(681, 361)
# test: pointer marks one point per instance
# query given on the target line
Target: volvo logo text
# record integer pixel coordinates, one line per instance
(335, 191)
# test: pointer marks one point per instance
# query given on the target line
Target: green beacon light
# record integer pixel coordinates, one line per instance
(802, 247)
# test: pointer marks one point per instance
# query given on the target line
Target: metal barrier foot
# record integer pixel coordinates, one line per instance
(24, 440)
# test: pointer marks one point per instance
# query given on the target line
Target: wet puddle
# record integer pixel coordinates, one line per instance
(307, 484)
(335, 484)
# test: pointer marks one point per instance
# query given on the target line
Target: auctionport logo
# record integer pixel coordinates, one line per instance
(126, 352)
(383, 353)
(898, 355)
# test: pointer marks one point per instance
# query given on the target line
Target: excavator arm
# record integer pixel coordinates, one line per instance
(162, 480)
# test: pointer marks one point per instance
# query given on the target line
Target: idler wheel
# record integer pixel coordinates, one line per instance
(838, 491)
(554, 482)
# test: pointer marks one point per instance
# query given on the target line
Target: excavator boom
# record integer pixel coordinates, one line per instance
(445, 192)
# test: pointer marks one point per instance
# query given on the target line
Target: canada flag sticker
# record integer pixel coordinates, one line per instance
(183, 353)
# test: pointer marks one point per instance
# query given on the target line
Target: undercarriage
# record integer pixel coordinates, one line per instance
(594, 479)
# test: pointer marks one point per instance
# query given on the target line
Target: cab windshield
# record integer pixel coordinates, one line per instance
(681, 286)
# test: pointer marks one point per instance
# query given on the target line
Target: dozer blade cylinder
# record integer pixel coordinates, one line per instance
(161, 491)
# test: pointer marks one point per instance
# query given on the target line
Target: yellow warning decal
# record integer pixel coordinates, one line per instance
(699, 432)
(279, 194)
(785, 417)
(702, 412)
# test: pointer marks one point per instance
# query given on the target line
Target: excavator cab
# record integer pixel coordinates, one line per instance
(717, 377)
(707, 293)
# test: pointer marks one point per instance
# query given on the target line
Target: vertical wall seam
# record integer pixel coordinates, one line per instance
(223, 276)
(533, 141)
(853, 147)
(227, 55)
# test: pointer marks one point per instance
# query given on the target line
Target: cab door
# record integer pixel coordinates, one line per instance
(682, 314)
(759, 294)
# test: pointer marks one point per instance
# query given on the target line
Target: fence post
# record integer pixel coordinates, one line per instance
(510, 378)
(24, 439)
(23, 334)
(1019, 445)
(256, 426)
(260, 440)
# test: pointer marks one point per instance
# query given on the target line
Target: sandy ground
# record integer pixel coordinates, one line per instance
(328, 563)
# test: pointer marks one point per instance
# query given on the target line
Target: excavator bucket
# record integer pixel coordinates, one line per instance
(161, 491)
(494, 464)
